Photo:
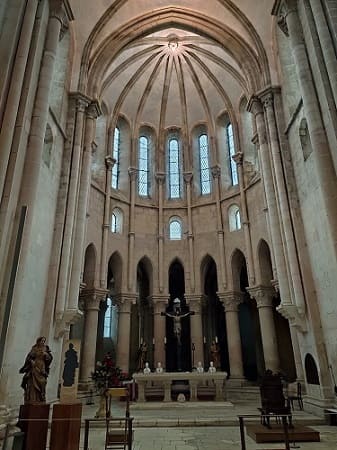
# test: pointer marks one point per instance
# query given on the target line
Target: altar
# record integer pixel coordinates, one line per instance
(195, 381)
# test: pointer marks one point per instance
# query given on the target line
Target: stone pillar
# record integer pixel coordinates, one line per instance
(238, 158)
(274, 223)
(195, 304)
(81, 104)
(231, 301)
(91, 299)
(92, 112)
(109, 163)
(188, 176)
(268, 102)
(325, 168)
(131, 275)
(264, 300)
(160, 177)
(216, 172)
(160, 303)
(125, 302)
(15, 89)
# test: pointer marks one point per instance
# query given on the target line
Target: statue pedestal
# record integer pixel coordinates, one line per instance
(33, 421)
(66, 426)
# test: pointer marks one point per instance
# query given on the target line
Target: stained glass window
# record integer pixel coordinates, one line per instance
(116, 155)
(205, 173)
(174, 169)
(175, 231)
(143, 166)
(231, 152)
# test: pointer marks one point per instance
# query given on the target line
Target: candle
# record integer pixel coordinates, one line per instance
(153, 341)
(204, 339)
(216, 339)
(165, 340)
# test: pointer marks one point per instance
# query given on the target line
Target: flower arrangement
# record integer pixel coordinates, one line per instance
(107, 374)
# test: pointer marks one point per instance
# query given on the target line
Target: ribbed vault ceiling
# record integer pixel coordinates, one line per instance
(172, 78)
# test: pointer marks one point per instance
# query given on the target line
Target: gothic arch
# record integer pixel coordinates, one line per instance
(238, 263)
(89, 271)
(115, 272)
(265, 269)
(147, 266)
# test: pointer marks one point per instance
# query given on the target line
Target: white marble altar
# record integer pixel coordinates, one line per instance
(195, 380)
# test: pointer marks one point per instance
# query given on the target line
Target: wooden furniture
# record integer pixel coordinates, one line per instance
(66, 426)
(33, 421)
(273, 402)
(119, 433)
(297, 396)
(196, 382)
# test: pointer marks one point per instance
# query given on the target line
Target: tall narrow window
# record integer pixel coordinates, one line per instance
(205, 180)
(116, 155)
(231, 152)
(174, 169)
(143, 166)
(175, 230)
(116, 221)
(108, 319)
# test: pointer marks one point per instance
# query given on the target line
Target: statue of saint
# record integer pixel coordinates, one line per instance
(215, 354)
(141, 356)
(177, 316)
(36, 371)
(159, 368)
(147, 369)
(70, 366)
(211, 369)
(200, 369)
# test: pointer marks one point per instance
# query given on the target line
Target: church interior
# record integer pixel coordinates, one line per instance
(155, 152)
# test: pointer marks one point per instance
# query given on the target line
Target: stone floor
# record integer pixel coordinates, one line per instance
(201, 426)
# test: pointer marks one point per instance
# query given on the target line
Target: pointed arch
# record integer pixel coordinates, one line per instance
(265, 269)
(238, 264)
(89, 271)
(115, 272)
(146, 266)
(205, 265)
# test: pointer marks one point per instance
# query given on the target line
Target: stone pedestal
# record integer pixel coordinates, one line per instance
(66, 426)
(33, 421)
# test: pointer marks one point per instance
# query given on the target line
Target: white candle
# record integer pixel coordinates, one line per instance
(216, 339)
(165, 340)
(153, 341)
(204, 339)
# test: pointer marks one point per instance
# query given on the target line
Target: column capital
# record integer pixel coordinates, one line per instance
(230, 300)
(159, 302)
(93, 110)
(133, 171)
(109, 162)
(92, 298)
(188, 177)
(267, 96)
(216, 171)
(294, 315)
(82, 101)
(263, 295)
(125, 300)
(194, 301)
(160, 177)
(238, 158)
(280, 9)
(254, 105)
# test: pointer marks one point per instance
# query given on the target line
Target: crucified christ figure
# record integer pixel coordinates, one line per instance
(177, 316)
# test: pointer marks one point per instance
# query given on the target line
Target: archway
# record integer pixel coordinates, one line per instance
(177, 291)
(142, 315)
(213, 315)
(252, 353)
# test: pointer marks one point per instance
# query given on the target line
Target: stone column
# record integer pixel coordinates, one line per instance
(125, 302)
(188, 176)
(109, 163)
(92, 112)
(91, 299)
(216, 172)
(324, 165)
(231, 301)
(274, 223)
(81, 104)
(131, 275)
(160, 177)
(160, 303)
(264, 300)
(15, 89)
(268, 102)
(238, 158)
(195, 304)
